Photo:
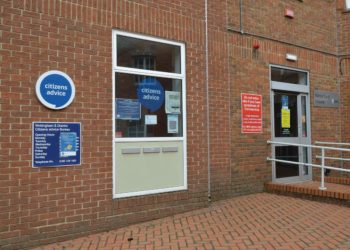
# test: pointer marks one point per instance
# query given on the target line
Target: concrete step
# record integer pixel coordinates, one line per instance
(335, 192)
(337, 180)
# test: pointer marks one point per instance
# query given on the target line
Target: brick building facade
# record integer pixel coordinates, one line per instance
(43, 205)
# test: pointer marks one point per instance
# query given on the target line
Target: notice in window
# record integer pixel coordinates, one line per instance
(284, 100)
(251, 113)
(150, 119)
(127, 109)
(172, 102)
(173, 124)
(150, 93)
(285, 120)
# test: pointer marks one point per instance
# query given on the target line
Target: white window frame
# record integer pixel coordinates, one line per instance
(289, 86)
(300, 89)
(347, 5)
(180, 76)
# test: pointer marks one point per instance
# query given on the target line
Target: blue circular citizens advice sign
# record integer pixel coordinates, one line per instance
(150, 93)
(55, 89)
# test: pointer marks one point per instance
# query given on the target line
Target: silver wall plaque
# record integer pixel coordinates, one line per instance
(326, 99)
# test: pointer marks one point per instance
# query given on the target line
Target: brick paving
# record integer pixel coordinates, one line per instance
(258, 221)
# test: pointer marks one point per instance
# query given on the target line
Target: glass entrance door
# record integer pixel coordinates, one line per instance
(290, 125)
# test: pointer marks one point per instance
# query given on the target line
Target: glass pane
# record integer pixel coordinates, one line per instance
(287, 153)
(148, 106)
(288, 76)
(305, 160)
(286, 115)
(303, 117)
(149, 55)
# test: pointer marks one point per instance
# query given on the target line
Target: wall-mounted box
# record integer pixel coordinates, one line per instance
(289, 13)
(291, 57)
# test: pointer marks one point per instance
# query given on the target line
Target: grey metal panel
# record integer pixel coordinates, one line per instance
(169, 149)
(326, 99)
(151, 150)
(290, 87)
(131, 150)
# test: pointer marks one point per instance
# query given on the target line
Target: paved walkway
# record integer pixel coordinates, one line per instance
(259, 221)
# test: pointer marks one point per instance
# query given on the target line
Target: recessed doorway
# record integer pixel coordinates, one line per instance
(290, 123)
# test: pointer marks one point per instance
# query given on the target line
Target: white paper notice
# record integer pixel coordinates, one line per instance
(172, 102)
(173, 124)
(150, 119)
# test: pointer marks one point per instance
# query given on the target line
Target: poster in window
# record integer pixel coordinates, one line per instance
(128, 109)
(284, 101)
(151, 120)
(150, 93)
(173, 124)
(285, 115)
(172, 102)
(285, 121)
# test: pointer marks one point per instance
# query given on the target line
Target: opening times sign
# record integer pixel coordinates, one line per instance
(56, 144)
(251, 113)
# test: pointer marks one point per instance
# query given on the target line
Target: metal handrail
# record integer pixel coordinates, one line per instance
(332, 143)
(333, 158)
(323, 157)
(308, 146)
(308, 164)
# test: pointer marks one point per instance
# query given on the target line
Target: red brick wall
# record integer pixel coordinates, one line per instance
(313, 25)
(344, 69)
(45, 205)
(249, 151)
(343, 17)
(345, 105)
(219, 101)
(250, 74)
(314, 33)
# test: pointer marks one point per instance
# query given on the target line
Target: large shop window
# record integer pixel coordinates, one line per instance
(149, 115)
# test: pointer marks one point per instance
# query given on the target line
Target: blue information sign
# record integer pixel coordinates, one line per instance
(55, 89)
(151, 93)
(284, 101)
(56, 144)
(128, 109)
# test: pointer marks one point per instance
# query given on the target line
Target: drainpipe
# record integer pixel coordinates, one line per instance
(338, 79)
(207, 97)
(241, 16)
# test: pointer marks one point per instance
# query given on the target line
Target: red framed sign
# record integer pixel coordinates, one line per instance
(251, 113)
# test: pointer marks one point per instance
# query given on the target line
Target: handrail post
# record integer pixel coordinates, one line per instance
(322, 187)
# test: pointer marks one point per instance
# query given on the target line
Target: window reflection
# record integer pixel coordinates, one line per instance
(145, 105)
(286, 114)
(288, 76)
(287, 153)
(143, 54)
(138, 116)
